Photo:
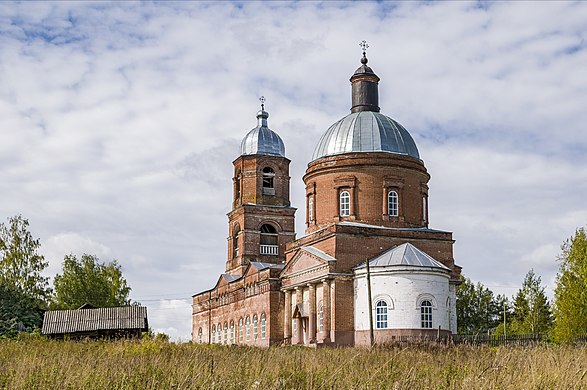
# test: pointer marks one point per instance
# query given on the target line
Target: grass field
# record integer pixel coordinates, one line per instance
(152, 364)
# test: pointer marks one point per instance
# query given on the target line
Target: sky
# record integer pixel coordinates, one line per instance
(119, 122)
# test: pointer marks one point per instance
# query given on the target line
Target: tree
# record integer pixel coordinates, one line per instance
(531, 308)
(20, 263)
(570, 295)
(478, 310)
(87, 280)
(18, 312)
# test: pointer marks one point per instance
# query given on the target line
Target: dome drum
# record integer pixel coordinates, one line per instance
(368, 178)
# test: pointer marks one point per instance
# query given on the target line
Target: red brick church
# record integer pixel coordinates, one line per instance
(366, 201)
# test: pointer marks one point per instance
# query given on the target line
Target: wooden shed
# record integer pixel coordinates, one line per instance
(106, 322)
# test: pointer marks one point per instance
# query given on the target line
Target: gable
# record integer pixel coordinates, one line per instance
(307, 258)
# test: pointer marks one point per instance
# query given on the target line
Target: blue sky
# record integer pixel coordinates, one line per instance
(119, 123)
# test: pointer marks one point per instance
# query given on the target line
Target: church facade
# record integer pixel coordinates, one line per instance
(368, 259)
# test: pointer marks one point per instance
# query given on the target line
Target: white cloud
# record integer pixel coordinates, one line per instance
(120, 122)
(56, 247)
(168, 316)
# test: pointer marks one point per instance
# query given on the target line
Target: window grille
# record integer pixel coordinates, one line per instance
(426, 314)
(381, 315)
(255, 327)
(392, 204)
(345, 204)
(248, 328)
(263, 326)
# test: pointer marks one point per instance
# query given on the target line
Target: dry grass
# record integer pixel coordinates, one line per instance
(43, 364)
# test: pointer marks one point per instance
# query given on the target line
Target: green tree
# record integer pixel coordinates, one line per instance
(20, 262)
(570, 295)
(478, 310)
(531, 307)
(87, 280)
(18, 312)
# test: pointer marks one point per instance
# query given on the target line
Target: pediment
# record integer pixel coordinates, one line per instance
(307, 258)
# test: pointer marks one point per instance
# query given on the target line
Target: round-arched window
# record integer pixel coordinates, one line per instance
(381, 314)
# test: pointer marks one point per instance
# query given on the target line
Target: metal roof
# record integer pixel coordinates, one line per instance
(87, 320)
(318, 253)
(404, 255)
(261, 266)
(262, 140)
(366, 225)
(366, 131)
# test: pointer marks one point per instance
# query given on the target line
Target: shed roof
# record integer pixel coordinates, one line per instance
(88, 320)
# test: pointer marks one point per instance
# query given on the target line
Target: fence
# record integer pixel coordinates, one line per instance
(496, 340)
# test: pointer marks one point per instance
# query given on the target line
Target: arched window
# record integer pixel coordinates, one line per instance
(225, 333)
(320, 316)
(235, 232)
(392, 204)
(269, 240)
(237, 184)
(345, 204)
(425, 208)
(426, 314)
(448, 314)
(248, 327)
(268, 178)
(255, 327)
(240, 331)
(263, 326)
(200, 335)
(381, 315)
(231, 332)
(310, 208)
(213, 334)
(219, 334)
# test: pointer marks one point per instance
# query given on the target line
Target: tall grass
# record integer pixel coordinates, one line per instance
(152, 364)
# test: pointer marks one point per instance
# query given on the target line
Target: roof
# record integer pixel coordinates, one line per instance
(366, 225)
(318, 253)
(262, 140)
(404, 255)
(230, 278)
(88, 320)
(366, 131)
(261, 266)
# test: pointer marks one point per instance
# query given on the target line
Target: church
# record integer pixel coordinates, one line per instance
(368, 267)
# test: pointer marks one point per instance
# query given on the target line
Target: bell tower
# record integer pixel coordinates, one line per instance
(261, 221)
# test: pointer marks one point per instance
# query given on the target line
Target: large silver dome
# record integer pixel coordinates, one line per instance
(366, 131)
(262, 140)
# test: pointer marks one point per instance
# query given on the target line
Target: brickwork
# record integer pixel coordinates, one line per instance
(255, 203)
(308, 297)
(368, 177)
(390, 336)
